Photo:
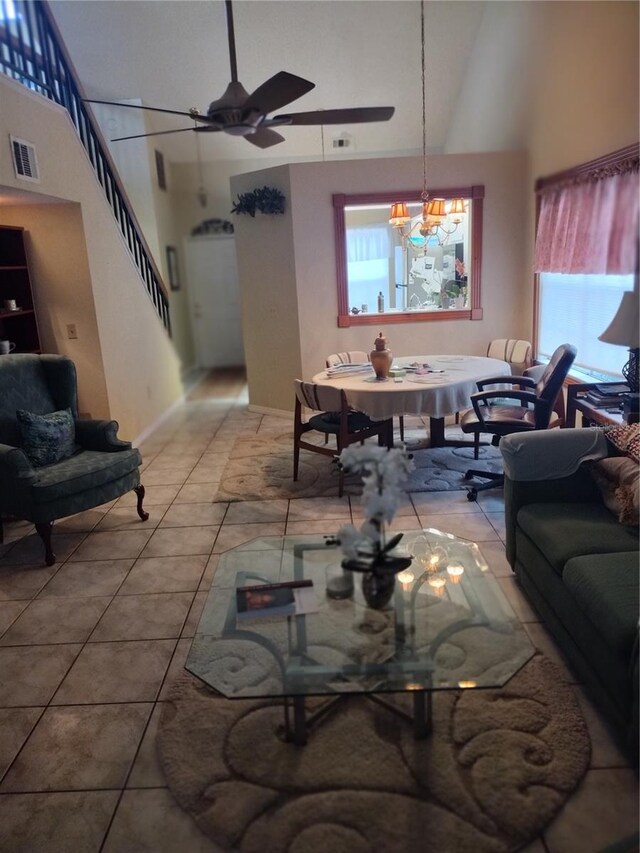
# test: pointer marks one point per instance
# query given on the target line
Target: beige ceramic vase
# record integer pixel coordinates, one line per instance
(381, 357)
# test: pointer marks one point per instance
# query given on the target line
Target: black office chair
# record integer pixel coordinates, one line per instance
(536, 409)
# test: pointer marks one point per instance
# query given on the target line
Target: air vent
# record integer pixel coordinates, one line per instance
(25, 162)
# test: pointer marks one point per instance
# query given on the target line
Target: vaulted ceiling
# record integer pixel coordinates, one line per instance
(174, 54)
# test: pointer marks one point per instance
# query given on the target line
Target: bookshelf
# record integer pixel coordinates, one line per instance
(19, 326)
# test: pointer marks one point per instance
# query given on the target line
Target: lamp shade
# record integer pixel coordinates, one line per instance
(624, 329)
(436, 208)
(457, 206)
(399, 215)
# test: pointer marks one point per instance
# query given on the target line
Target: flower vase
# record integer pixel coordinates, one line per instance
(378, 576)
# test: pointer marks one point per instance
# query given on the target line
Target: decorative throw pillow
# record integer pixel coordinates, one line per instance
(626, 439)
(618, 479)
(47, 438)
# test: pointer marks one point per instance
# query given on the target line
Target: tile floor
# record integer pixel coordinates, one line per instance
(88, 646)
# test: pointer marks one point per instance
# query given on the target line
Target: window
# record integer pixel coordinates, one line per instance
(586, 255)
(400, 272)
(576, 309)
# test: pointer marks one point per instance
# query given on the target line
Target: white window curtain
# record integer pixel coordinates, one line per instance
(367, 243)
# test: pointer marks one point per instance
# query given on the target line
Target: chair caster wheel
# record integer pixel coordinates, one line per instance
(472, 495)
(468, 476)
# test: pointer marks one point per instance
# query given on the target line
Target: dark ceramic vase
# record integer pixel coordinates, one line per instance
(377, 588)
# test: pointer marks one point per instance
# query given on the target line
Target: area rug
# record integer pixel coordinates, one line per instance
(262, 468)
(497, 767)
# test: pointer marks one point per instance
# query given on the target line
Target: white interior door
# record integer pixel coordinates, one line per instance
(215, 301)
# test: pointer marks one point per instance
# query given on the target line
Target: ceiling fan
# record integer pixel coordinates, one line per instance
(242, 114)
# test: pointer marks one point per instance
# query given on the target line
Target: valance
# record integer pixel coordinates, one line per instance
(590, 225)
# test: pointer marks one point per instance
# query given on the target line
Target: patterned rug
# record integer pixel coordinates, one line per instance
(260, 468)
(496, 769)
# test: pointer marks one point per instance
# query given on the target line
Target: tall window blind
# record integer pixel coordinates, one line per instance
(576, 309)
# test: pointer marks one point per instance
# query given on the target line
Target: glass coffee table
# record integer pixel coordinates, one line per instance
(448, 626)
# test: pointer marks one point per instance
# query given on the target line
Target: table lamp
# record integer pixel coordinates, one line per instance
(624, 330)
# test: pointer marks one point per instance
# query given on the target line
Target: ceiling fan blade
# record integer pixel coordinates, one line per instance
(264, 138)
(157, 133)
(346, 116)
(203, 118)
(277, 91)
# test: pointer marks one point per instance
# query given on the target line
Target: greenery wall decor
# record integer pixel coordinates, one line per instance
(266, 200)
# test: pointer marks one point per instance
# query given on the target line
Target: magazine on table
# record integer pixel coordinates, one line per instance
(289, 598)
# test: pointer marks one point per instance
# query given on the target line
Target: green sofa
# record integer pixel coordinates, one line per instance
(577, 564)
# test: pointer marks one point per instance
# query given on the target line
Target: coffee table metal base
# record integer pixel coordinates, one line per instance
(298, 723)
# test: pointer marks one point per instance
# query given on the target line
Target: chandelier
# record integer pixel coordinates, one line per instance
(440, 218)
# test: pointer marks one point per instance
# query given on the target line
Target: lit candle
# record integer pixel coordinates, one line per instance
(437, 584)
(466, 684)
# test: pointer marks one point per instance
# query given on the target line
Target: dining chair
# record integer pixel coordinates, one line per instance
(335, 418)
(537, 398)
(357, 357)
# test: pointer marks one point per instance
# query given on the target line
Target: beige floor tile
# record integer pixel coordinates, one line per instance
(494, 554)
(176, 669)
(316, 509)
(252, 512)
(196, 493)
(165, 574)
(113, 545)
(95, 577)
(323, 525)
(82, 522)
(205, 474)
(194, 515)
(153, 495)
(14, 530)
(16, 725)
(497, 521)
(144, 617)
(147, 772)
(9, 612)
(56, 620)
(603, 810)
(195, 613)
(181, 541)
(24, 582)
(116, 672)
(166, 476)
(78, 747)
(30, 675)
(209, 572)
(150, 821)
(57, 822)
(491, 501)
(517, 599)
(402, 522)
(232, 535)
(443, 503)
(30, 550)
(474, 528)
(126, 518)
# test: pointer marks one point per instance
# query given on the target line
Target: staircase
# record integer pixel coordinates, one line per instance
(32, 52)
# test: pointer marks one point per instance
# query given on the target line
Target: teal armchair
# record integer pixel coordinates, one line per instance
(101, 469)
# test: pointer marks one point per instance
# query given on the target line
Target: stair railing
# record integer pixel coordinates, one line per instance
(33, 53)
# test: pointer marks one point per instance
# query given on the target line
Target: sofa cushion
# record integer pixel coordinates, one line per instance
(605, 587)
(565, 530)
(618, 479)
(82, 472)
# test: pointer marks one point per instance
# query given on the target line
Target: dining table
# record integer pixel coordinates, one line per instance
(432, 385)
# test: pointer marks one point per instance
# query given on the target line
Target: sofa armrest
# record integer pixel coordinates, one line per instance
(15, 464)
(99, 435)
(550, 454)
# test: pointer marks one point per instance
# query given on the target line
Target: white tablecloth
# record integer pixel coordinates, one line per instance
(433, 394)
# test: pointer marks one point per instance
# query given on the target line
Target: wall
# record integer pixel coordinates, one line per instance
(140, 366)
(287, 266)
(564, 86)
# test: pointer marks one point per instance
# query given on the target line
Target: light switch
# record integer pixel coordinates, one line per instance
(72, 332)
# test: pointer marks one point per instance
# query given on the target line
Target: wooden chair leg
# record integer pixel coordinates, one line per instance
(44, 531)
(457, 417)
(140, 492)
(401, 422)
(296, 459)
